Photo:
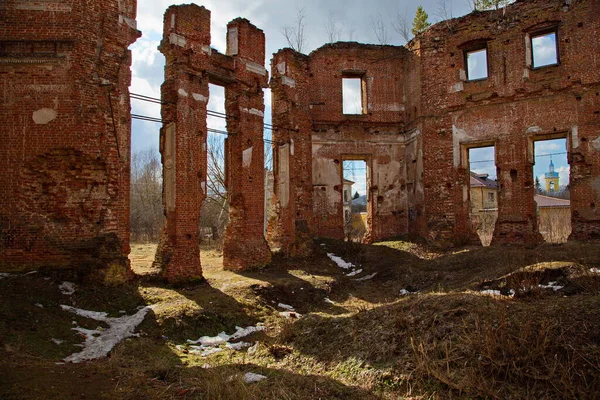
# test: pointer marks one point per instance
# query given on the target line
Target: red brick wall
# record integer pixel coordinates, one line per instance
(513, 107)
(64, 173)
(423, 114)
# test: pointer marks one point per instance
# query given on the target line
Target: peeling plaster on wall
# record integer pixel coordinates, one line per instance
(256, 68)
(281, 68)
(177, 40)
(596, 143)
(253, 111)
(44, 115)
(575, 137)
(206, 49)
(288, 81)
(457, 87)
(533, 129)
(247, 157)
(132, 23)
(199, 97)
(458, 136)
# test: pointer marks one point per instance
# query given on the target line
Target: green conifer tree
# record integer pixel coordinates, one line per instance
(420, 23)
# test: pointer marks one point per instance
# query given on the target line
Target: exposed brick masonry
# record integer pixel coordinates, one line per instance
(64, 157)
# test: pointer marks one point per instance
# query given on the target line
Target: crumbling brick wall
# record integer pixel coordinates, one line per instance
(65, 116)
(516, 105)
(423, 114)
(191, 64)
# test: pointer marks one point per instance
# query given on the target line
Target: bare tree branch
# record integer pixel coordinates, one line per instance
(379, 29)
(402, 26)
(332, 29)
(294, 34)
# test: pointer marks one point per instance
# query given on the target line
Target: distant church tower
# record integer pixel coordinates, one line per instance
(551, 179)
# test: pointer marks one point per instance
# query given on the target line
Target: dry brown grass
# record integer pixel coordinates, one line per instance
(445, 342)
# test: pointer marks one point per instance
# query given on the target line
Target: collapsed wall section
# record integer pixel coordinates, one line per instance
(65, 116)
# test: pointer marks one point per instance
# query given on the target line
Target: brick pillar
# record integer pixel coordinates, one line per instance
(517, 221)
(292, 154)
(183, 140)
(245, 246)
(584, 158)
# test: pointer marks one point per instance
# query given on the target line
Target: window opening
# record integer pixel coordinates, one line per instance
(551, 189)
(477, 67)
(352, 96)
(544, 49)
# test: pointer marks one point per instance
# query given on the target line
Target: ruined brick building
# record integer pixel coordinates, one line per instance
(65, 114)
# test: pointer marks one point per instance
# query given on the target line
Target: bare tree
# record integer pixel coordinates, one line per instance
(146, 209)
(379, 29)
(444, 13)
(215, 209)
(402, 26)
(332, 29)
(294, 34)
(444, 10)
(351, 32)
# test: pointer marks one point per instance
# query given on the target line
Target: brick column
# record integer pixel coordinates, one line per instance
(517, 221)
(292, 154)
(245, 246)
(584, 159)
(183, 141)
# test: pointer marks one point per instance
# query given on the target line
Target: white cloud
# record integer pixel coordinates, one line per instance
(352, 98)
(544, 50)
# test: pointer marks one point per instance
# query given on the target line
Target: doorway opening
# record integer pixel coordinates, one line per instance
(483, 191)
(552, 196)
(214, 214)
(355, 199)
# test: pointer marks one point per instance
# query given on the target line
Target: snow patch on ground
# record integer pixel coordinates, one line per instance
(5, 275)
(491, 292)
(366, 278)
(67, 288)
(210, 344)
(251, 377)
(551, 285)
(405, 292)
(595, 270)
(352, 271)
(340, 262)
(355, 272)
(99, 342)
(285, 307)
(328, 300)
